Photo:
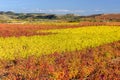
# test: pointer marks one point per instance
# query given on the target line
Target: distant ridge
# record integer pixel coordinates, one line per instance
(9, 15)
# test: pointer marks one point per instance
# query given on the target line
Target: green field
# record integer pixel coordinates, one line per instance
(65, 40)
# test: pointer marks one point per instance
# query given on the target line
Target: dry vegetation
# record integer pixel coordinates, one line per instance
(99, 59)
(90, 64)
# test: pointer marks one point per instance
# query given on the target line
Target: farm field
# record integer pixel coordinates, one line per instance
(97, 63)
(59, 40)
(59, 51)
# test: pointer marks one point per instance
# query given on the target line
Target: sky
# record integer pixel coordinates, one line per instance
(82, 7)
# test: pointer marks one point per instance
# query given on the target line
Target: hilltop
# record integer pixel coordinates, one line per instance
(11, 17)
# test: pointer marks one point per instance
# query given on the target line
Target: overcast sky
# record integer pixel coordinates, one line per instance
(83, 7)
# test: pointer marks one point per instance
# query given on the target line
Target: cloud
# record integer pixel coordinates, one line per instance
(54, 10)
(59, 10)
(81, 11)
(98, 10)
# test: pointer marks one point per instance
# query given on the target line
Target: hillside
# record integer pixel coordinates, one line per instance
(9, 16)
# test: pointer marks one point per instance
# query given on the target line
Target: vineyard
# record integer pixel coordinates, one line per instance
(60, 51)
